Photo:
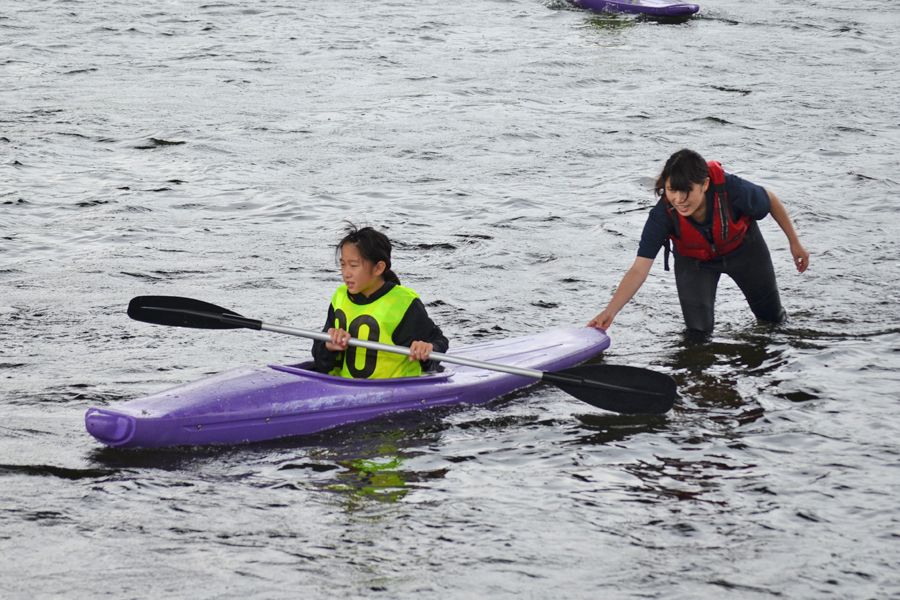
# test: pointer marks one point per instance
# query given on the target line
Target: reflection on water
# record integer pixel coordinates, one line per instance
(713, 370)
(611, 22)
(381, 476)
(376, 477)
(610, 428)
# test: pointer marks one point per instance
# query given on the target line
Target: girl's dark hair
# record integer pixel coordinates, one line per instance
(682, 171)
(372, 245)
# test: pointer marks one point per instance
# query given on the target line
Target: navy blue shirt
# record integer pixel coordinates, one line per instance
(745, 198)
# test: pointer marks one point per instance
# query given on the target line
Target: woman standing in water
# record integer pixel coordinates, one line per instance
(710, 217)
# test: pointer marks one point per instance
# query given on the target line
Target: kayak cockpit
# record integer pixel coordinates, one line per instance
(305, 370)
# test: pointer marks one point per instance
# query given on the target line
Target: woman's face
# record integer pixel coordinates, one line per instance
(360, 275)
(688, 203)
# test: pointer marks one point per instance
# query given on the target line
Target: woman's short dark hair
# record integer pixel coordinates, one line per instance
(372, 245)
(682, 171)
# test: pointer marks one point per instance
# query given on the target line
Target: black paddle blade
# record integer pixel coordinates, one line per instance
(186, 312)
(621, 389)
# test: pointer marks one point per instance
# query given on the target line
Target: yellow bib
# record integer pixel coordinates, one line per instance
(375, 322)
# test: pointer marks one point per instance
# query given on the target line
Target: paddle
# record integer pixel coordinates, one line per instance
(621, 389)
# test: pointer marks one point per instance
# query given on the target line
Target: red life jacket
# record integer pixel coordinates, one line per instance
(728, 232)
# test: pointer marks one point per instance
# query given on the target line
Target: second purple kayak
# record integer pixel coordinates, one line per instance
(659, 8)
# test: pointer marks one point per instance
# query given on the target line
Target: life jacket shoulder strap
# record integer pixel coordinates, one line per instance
(673, 215)
(676, 222)
(717, 180)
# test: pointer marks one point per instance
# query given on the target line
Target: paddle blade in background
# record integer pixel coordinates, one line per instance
(648, 393)
(180, 312)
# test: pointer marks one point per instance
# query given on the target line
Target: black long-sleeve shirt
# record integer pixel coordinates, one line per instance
(415, 326)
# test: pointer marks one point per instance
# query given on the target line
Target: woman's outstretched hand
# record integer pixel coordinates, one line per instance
(603, 320)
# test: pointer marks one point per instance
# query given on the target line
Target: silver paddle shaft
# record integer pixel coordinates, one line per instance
(458, 360)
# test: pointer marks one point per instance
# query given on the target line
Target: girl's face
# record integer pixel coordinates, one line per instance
(360, 275)
(689, 203)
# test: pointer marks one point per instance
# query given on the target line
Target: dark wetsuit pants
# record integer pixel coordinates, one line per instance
(750, 266)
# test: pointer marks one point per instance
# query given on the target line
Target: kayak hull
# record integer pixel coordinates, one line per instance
(255, 404)
(658, 8)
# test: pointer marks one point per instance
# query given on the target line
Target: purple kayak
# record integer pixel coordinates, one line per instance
(658, 8)
(254, 404)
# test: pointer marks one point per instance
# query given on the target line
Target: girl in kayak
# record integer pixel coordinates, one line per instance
(373, 305)
(710, 216)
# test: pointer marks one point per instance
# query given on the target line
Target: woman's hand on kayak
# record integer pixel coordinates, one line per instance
(801, 256)
(339, 340)
(603, 320)
(420, 351)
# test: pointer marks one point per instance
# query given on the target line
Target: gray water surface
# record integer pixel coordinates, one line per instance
(509, 148)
